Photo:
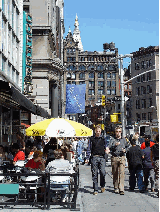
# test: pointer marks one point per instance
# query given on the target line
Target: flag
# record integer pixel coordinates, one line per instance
(75, 98)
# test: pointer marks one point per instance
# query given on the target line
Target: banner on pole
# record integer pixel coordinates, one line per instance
(75, 98)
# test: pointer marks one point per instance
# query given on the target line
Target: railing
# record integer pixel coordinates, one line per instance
(18, 189)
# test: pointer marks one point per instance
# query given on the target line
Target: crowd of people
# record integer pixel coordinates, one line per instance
(141, 156)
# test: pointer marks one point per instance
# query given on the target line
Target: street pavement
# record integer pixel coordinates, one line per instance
(107, 201)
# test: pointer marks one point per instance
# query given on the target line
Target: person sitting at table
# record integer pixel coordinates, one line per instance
(59, 165)
(37, 162)
(19, 155)
(2, 154)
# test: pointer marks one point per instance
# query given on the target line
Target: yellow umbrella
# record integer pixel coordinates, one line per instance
(59, 127)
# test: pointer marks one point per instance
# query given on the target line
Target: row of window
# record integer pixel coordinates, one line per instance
(144, 116)
(9, 70)
(95, 58)
(143, 65)
(90, 67)
(144, 77)
(91, 84)
(143, 90)
(11, 12)
(142, 104)
(91, 75)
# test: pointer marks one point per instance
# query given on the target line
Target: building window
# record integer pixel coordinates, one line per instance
(73, 82)
(148, 76)
(138, 79)
(91, 92)
(149, 116)
(68, 75)
(142, 65)
(113, 91)
(108, 91)
(138, 104)
(138, 91)
(71, 59)
(149, 89)
(82, 68)
(113, 75)
(143, 78)
(91, 75)
(113, 83)
(91, 84)
(147, 63)
(150, 102)
(91, 67)
(142, 88)
(108, 83)
(108, 75)
(100, 75)
(138, 117)
(99, 68)
(136, 66)
(73, 76)
(82, 76)
(143, 116)
(143, 101)
(100, 91)
(150, 63)
(100, 83)
(68, 82)
(82, 82)
(130, 87)
(71, 68)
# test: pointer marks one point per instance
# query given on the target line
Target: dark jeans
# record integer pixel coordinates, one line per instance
(136, 172)
(98, 163)
(149, 173)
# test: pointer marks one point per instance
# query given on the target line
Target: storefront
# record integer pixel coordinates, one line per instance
(15, 109)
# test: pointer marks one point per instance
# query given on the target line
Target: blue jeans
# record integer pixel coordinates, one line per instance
(98, 163)
(136, 172)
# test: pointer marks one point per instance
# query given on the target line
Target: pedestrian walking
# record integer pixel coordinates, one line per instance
(118, 147)
(97, 146)
(134, 157)
(155, 162)
(143, 146)
(136, 137)
(148, 169)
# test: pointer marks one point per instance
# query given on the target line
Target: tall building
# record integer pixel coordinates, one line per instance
(95, 69)
(12, 102)
(11, 21)
(145, 92)
(47, 55)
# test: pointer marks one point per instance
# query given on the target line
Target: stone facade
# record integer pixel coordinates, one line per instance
(47, 61)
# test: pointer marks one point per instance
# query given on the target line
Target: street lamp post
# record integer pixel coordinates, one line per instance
(120, 57)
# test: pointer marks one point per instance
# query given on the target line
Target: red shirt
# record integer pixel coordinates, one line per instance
(19, 156)
(143, 146)
(32, 164)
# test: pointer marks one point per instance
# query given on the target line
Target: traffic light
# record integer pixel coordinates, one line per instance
(103, 100)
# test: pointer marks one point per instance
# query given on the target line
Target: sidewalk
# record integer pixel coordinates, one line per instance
(109, 201)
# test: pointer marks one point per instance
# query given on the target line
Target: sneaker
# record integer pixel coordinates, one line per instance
(116, 191)
(102, 190)
(95, 192)
(121, 192)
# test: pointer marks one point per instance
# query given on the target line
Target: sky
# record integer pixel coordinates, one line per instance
(129, 24)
